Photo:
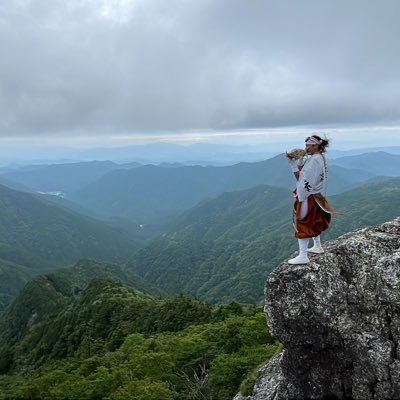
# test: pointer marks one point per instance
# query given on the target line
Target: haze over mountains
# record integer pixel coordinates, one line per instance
(156, 153)
(146, 198)
(376, 163)
(62, 178)
(222, 227)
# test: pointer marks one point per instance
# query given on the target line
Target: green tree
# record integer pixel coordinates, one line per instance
(145, 389)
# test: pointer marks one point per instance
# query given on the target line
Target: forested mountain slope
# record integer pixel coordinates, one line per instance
(36, 235)
(44, 296)
(109, 341)
(13, 185)
(373, 203)
(223, 249)
(12, 278)
(85, 270)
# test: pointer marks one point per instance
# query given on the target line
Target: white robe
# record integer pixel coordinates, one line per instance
(312, 178)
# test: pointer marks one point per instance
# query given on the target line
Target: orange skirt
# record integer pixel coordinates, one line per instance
(316, 221)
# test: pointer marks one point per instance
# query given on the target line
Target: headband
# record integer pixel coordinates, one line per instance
(313, 140)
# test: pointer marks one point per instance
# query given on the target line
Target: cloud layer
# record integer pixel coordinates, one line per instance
(129, 66)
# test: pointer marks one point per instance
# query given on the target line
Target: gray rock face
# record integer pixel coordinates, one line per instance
(338, 318)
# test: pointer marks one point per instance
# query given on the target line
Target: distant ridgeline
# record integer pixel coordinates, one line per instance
(151, 196)
(156, 195)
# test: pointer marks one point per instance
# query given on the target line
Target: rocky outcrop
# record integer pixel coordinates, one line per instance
(338, 318)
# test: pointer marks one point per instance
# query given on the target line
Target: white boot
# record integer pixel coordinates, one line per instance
(317, 248)
(302, 257)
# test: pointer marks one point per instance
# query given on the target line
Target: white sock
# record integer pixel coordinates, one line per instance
(303, 245)
(317, 241)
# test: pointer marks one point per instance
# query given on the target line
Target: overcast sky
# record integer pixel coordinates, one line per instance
(115, 70)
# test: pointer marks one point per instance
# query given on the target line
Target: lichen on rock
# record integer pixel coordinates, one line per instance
(338, 319)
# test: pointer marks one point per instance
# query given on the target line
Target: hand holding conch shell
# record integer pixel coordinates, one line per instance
(295, 154)
(296, 159)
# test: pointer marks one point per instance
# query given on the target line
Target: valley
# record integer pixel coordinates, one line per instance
(150, 277)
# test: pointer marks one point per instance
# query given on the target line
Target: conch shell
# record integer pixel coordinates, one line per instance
(296, 154)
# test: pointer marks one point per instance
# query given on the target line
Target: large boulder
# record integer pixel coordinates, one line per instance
(338, 318)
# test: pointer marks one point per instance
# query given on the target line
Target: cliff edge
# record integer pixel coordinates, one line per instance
(338, 319)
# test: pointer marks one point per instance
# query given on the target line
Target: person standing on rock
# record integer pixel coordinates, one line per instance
(311, 211)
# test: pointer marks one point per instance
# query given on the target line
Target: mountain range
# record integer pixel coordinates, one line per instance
(83, 306)
(223, 249)
(156, 153)
(78, 329)
(61, 178)
(144, 199)
(153, 194)
(43, 231)
(375, 163)
(37, 235)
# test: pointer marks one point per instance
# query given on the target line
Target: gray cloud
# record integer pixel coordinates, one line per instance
(91, 67)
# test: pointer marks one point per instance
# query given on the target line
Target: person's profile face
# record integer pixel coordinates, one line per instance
(311, 148)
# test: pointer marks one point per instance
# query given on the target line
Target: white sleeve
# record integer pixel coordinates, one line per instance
(309, 177)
